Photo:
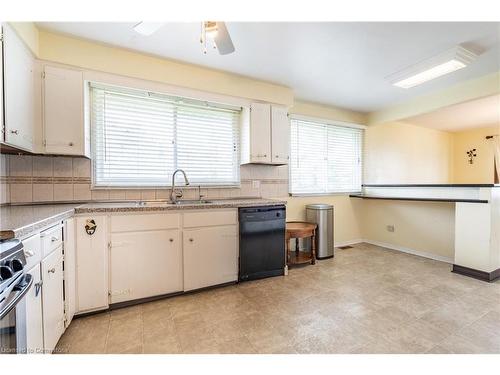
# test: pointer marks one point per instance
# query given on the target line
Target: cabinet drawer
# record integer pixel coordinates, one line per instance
(208, 218)
(32, 250)
(129, 223)
(51, 239)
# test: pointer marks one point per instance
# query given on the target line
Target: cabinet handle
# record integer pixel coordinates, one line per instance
(52, 270)
(261, 155)
(16, 132)
(191, 240)
(28, 253)
(38, 288)
(171, 239)
(54, 239)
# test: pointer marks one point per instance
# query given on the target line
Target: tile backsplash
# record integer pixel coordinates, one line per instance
(26, 179)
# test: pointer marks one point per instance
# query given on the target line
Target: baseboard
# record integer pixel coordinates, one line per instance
(477, 274)
(410, 251)
(348, 243)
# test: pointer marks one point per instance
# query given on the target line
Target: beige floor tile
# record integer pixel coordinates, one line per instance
(365, 300)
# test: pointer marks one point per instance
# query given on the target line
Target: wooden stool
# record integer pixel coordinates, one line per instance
(300, 229)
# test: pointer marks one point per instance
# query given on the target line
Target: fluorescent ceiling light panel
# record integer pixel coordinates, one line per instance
(148, 28)
(447, 62)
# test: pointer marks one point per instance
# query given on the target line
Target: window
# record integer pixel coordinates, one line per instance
(325, 158)
(141, 138)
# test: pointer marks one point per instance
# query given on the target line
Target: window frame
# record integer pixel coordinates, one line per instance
(326, 122)
(169, 98)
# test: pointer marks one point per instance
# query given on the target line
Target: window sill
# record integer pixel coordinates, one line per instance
(164, 187)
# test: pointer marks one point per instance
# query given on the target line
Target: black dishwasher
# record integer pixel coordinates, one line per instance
(262, 242)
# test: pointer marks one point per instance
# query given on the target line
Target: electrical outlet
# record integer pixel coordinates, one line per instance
(390, 228)
(255, 184)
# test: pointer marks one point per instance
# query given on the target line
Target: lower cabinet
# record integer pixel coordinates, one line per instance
(34, 322)
(145, 264)
(69, 271)
(92, 284)
(210, 256)
(52, 298)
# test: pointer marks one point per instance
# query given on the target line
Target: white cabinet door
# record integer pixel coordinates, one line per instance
(280, 135)
(210, 256)
(69, 270)
(260, 133)
(145, 264)
(52, 297)
(91, 264)
(19, 91)
(64, 128)
(34, 320)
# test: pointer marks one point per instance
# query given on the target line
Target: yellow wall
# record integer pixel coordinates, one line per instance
(89, 55)
(427, 227)
(346, 214)
(481, 171)
(28, 32)
(328, 112)
(401, 153)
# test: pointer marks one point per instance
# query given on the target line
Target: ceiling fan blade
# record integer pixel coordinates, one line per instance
(223, 40)
(148, 28)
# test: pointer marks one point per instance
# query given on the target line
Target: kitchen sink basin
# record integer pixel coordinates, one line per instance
(192, 201)
(168, 203)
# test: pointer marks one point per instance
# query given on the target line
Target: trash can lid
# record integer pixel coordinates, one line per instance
(319, 206)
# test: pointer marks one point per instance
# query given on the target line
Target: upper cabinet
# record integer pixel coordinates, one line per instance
(280, 135)
(65, 132)
(18, 65)
(265, 135)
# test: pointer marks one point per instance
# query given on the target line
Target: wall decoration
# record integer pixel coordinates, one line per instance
(471, 154)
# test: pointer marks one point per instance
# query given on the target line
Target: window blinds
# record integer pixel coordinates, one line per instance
(141, 138)
(324, 158)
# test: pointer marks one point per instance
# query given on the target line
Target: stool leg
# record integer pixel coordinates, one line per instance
(313, 248)
(296, 247)
(288, 250)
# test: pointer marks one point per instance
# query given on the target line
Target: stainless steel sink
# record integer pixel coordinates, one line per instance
(192, 201)
(168, 203)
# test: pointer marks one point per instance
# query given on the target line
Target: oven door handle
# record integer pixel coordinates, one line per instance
(20, 292)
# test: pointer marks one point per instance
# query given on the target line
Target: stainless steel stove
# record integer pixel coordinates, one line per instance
(14, 284)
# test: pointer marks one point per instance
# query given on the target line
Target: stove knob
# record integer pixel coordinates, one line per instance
(16, 265)
(6, 272)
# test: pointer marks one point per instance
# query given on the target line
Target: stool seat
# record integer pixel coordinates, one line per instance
(300, 229)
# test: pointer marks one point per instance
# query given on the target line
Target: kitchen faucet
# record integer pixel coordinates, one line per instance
(174, 196)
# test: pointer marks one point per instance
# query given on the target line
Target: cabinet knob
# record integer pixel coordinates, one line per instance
(191, 240)
(277, 156)
(14, 132)
(54, 239)
(171, 239)
(52, 270)
(70, 144)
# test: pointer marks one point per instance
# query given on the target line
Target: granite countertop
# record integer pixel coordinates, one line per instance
(17, 221)
(166, 206)
(20, 221)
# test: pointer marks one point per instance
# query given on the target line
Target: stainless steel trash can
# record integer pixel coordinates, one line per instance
(322, 215)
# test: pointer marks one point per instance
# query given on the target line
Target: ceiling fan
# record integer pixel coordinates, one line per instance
(210, 30)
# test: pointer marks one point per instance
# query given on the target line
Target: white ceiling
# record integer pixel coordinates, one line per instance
(336, 63)
(472, 114)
